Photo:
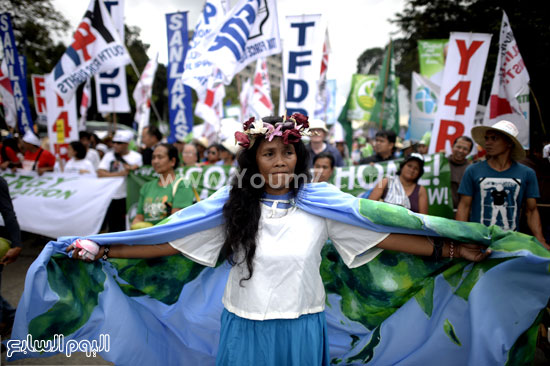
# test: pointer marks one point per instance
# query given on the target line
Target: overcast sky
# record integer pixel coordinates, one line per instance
(353, 25)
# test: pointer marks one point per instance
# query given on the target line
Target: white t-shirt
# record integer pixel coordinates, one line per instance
(110, 164)
(286, 282)
(93, 156)
(75, 166)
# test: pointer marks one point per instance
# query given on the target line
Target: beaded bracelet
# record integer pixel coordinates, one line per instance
(106, 250)
(437, 253)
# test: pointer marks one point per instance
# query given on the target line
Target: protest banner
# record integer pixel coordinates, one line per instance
(304, 36)
(460, 89)
(60, 204)
(15, 74)
(356, 180)
(110, 86)
(424, 100)
(360, 102)
(431, 57)
(180, 110)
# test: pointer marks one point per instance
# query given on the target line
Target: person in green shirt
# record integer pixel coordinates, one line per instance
(165, 195)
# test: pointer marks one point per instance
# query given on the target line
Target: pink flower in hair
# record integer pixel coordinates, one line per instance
(276, 132)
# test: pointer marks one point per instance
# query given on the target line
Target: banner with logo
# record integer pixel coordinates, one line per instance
(304, 36)
(96, 47)
(460, 89)
(509, 98)
(361, 97)
(39, 92)
(356, 180)
(6, 96)
(59, 204)
(62, 123)
(111, 87)
(197, 69)
(15, 74)
(424, 100)
(431, 57)
(180, 110)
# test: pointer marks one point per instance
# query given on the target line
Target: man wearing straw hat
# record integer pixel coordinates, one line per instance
(494, 191)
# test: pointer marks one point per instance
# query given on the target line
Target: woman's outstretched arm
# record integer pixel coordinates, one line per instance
(425, 246)
(131, 251)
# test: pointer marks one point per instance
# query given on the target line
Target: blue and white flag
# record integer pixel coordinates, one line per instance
(96, 47)
(397, 309)
(249, 31)
(179, 95)
(197, 69)
(110, 86)
(16, 74)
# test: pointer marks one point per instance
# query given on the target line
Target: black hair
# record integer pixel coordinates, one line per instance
(79, 149)
(387, 134)
(325, 154)
(467, 139)
(172, 153)
(242, 210)
(154, 131)
(407, 159)
(84, 135)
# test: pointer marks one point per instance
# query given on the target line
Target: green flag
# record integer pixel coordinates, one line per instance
(346, 124)
(386, 109)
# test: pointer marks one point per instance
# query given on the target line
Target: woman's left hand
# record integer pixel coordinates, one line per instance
(473, 252)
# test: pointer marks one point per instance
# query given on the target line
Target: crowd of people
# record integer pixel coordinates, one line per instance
(491, 187)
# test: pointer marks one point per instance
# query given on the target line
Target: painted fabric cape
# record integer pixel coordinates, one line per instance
(397, 309)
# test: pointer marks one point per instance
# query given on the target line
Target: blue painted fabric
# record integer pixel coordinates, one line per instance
(397, 309)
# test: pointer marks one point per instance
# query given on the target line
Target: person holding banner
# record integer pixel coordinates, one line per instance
(165, 195)
(274, 297)
(403, 189)
(35, 157)
(493, 192)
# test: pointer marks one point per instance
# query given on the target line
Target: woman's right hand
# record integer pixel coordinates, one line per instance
(84, 249)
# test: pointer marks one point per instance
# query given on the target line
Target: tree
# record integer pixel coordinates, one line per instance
(433, 19)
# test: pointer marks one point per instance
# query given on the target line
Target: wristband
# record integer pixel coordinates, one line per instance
(106, 250)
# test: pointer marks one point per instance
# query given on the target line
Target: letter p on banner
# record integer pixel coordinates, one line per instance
(460, 89)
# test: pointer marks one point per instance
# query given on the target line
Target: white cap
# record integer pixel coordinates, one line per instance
(124, 136)
(102, 147)
(31, 138)
(317, 124)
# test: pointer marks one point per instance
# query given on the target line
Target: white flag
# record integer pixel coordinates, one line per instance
(85, 103)
(261, 102)
(323, 97)
(6, 95)
(96, 47)
(210, 109)
(511, 82)
(249, 31)
(244, 99)
(142, 95)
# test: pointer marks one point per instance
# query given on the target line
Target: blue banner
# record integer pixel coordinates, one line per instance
(179, 95)
(17, 79)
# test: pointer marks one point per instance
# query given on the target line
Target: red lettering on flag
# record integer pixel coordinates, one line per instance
(445, 133)
(82, 38)
(499, 106)
(466, 54)
(209, 99)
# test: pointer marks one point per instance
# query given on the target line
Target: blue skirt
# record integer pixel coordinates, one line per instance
(302, 341)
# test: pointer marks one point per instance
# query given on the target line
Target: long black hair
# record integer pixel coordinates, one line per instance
(242, 210)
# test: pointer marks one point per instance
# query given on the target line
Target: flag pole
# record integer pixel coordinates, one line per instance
(385, 82)
(538, 110)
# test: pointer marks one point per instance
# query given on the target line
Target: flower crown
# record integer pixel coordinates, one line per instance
(291, 129)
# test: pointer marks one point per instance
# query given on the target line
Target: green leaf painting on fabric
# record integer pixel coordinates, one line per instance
(78, 285)
(389, 215)
(475, 274)
(450, 331)
(367, 353)
(523, 351)
(161, 278)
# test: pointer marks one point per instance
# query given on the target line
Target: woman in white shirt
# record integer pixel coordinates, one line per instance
(274, 297)
(77, 163)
